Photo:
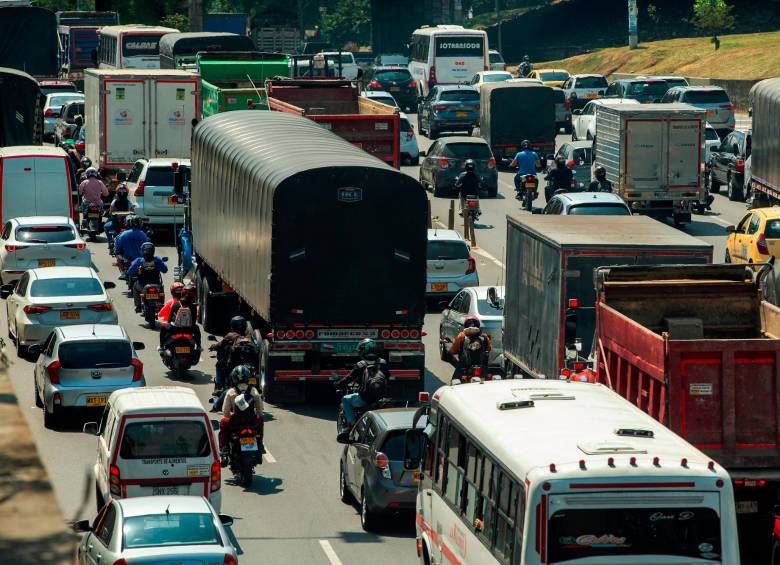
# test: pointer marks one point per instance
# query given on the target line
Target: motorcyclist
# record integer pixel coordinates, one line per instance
(127, 246)
(558, 178)
(92, 189)
(238, 327)
(176, 290)
(181, 317)
(243, 406)
(525, 66)
(120, 203)
(73, 156)
(601, 184)
(146, 269)
(371, 373)
(467, 183)
(471, 346)
(527, 162)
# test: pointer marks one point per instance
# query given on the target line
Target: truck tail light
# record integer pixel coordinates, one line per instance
(53, 369)
(472, 265)
(114, 481)
(761, 245)
(491, 164)
(432, 77)
(139, 189)
(216, 476)
(739, 166)
(36, 309)
(138, 369)
(444, 162)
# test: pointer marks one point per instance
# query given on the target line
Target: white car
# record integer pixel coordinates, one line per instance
(43, 299)
(711, 140)
(80, 366)
(52, 107)
(349, 68)
(483, 77)
(527, 80)
(410, 151)
(451, 266)
(583, 122)
(496, 61)
(150, 185)
(34, 242)
(381, 96)
(579, 89)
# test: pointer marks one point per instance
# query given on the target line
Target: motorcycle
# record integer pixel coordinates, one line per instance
(341, 420)
(152, 300)
(244, 452)
(471, 207)
(92, 222)
(529, 187)
(180, 352)
(118, 223)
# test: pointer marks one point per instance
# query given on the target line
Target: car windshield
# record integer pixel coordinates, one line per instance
(591, 82)
(599, 210)
(393, 75)
(772, 229)
(95, 354)
(706, 97)
(165, 438)
(554, 76)
(466, 151)
(655, 88)
(497, 77)
(582, 156)
(395, 445)
(710, 134)
(443, 250)
(485, 308)
(169, 529)
(460, 96)
(160, 176)
(60, 99)
(495, 58)
(45, 234)
(66, 287)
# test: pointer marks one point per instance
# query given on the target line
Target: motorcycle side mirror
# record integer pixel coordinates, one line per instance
(139, 345)
(211, 337)
(90, 428)
(108, 285)
(226, 520)
(343, 437)
(412, 448)
(577, 112)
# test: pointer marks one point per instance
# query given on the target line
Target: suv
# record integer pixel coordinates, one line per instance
(65, 126)
(397, 81)
(727, 164)
(579, 89)
(643, 90)
(450, 264)
(372, 470)
(448, 108)
(496, 61)
(713, 99)
(151, 188)
(586, 204)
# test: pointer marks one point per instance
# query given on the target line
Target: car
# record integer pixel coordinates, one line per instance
(714, 99)
(727, 164)
(711, 142)
(53, 106)
(483, 77)
(671, 80)
(156, 529)
(583, 122)
(451, 267)
(496, 61)
(550, 77)
(579, 158)
(445, 159)
(410, 151)
(755, 238)
(344, 60)
(643, 90)
(80, 366)
(53, 86)
(474, 302)
(448, 108)
(580, 89)
(65, 126)
(150, 185)
(391, 59)
(587, 204)
(371, 468)
(380, 96)
(43, 299)
(32, 242)
(397, 81)
(562, 113)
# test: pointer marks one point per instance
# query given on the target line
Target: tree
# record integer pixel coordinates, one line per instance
(177, 21)
(349, 20)
(712, 17)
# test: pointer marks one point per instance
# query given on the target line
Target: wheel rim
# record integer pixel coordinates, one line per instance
(363, 509)
(342, 489)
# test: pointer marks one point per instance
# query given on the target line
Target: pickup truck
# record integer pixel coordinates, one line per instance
(727, 164)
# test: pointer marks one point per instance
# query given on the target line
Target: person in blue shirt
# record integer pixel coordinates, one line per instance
(127, 246)
(146, 269)
(527, 163)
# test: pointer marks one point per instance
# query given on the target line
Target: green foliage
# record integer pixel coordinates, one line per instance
(178, 21)
(348, 21)
(712, 16)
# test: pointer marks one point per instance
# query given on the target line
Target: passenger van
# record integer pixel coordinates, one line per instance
(132, 46)
(447, 54)
(155, 440)
(526, 472)
(36, 180)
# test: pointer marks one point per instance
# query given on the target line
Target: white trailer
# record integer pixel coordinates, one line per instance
(654, 156)
(135, 113)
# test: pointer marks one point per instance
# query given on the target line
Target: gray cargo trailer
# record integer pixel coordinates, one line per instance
(319, 251)
(765, 148)
(550, 294)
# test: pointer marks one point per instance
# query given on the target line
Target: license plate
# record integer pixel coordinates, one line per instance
(461, 114)
(438, 287)
(591, 95)
(252, 381)
(173, 199)
(395, 89)
(182, 350)
(70, 315)
(45, 263)
(248, 444)
(416, 476)
(150, 296)
(747, 506)
(97, 400)
(164, 490)
(349, 347)
(94, 216)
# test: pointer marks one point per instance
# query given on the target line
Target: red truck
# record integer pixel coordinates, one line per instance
(336, 105)
(697, 348)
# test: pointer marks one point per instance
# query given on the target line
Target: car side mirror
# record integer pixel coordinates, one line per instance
(139, 345)
(731, 229)
(343, 437)
(81, 527)
(444, 305)
(108, 285)
(226, 520)
(412, 448)
(35, 350)
(577, 112)
(537, 210)
(211, 337)
(6, 290)
(423, 152)
(90, 428)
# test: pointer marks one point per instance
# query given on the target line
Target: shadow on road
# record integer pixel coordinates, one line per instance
(705, 229)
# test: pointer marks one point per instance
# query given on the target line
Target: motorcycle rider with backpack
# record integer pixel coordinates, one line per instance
(181, 317)
(242, 407)
(471, 346)
(147, 269)
(224, 349)
(371, 372)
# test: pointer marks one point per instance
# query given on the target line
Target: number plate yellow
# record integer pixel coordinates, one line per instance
(592, 95)
(438, 287)
(70, 315)
(46, 263)
(182, 350)
(395, 89)
(252, 381)
(416, 476)
(96, 400)
(247, 440)
(461, 114)
(152, 296)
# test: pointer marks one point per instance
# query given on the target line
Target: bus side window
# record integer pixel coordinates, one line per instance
(470, 487)
(489, 488)
(443, 429)
(453, 478)
(517, 511)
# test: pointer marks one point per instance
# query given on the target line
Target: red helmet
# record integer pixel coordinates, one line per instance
(176, 289)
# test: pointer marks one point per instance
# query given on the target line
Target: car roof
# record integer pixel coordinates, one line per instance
(88, 331)
(70, 94)
(398, 418)
(157, 162)
(155, 400)
(43, 220)
(175, 504)
(494, 72)
(56, 83)
(580, 144)
(462, 139)
(444, 235)
(32, 151)
(613, 101)
(590, 198)
(447, 87)
(390, 68)
(585, 75)
(64, 273)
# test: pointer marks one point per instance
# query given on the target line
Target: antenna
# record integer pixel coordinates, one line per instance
(168, 510)
(255, 87)
(93, 329)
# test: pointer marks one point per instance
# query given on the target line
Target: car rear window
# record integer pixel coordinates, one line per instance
(60, 100)
(710, 134)
(393, 75)
(656, 88)
(599, 210)
(443, 250)
(772, 229)
(66, 287)
(95, 354)
(172, 438)
(497, 77)
(495, 58)
(553, 76)
(706, 97)
(591, 82)
(393, 60)
(162, 530)
(159, 176)
(395, 445)
(459, 96)
(45, 234)
(582, 156)
(346, 59)
(466, 151)
(559, 96)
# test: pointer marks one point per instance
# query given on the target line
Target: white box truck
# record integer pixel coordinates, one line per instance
(654, 156)
(138, 113)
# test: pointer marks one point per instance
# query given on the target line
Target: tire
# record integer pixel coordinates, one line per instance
(199, 283)
(588, 137)
(344, 494)
(38, 399)
(567, 128)
(50, 419)
(151, 318)
(734, 192)
(437, 192)
(714, 184)
(368, 518)
(415, 162)
(727, 258)
(181, 371)
(100, 501)
(246, 475)
(433, 134)
(214, 319)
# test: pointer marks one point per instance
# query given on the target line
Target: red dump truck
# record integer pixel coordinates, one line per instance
(336, 105)
(697, 348)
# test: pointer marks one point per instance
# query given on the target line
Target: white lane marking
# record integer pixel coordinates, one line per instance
(329, 553)
(268, 457)
(721, 222)
(478, 250)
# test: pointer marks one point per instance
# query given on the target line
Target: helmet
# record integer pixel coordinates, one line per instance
(471, 322)
(469, 165)
(526, 58)
(560, 161)
(147, 250)
(121, 190)
(366, 348)
(176, 289)
(238, 324)
(240, 374)
(525, 144)
(86, 162)
(191, 291)
(133, 222)
(601, 172)
(91, 172)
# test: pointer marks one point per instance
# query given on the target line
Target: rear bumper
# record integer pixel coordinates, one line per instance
(76, 397)
(455, 125)
(387, 496)
(31, 332)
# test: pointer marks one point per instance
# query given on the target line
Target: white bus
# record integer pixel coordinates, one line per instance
(132, 46)
(446, 54)
(528, 472)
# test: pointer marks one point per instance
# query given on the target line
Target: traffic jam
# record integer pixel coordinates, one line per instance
(223, 270)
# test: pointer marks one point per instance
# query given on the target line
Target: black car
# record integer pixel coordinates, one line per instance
(642, 90)
(446, 160)
(727, 164)
(448, 108)
(397, 81)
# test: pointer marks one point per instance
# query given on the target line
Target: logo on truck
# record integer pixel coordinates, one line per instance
(349, 194)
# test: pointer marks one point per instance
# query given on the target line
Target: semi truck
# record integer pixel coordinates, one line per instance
(549, 293)
(336, 105)
(764, 166)
(654, 156)
(21, 109)
(78, 39)
(316, 253)
(28, 41)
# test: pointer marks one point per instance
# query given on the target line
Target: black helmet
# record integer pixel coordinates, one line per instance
(147, 250)
(525, 144)
(122, 191)
(366, 348)
(240, 374)
(560, 162)
(86, 162)
(133, 222)
(238, 324)
(526, 58)
(601, 172)
(469, 165)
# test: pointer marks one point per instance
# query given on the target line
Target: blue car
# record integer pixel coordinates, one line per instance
(448, 108)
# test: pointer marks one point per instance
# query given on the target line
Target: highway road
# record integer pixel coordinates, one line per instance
(292, 513)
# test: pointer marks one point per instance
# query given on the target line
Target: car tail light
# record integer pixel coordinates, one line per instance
(381, 460)
(491, 164)
(739, 166)
(472, 265)
(438, 107)
(374, 84)
(728, 107)
(216, 476)
(13, 248)
(309, 334)
(53, 369)
(761, 245)
(409, 134)
(424, 396)
(36, 309)
(77, 246)
(385, 334)
(121, 561)
(139, 189)
(444, 162)
(138, 369)
(229, 560)
(114, 480)
(103, 307)
(49, 113)
(432, 77)
(412, 84)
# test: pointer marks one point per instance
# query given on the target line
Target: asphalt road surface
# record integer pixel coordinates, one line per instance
(292, 513)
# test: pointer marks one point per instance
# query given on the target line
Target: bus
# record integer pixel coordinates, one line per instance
(446, 54)
(132, 46)
(531, 472)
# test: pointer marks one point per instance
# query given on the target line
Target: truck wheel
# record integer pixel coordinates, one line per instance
(213, 317)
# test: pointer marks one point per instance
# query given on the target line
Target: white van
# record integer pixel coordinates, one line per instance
(35, 180)
(447, 54)
(156, 440)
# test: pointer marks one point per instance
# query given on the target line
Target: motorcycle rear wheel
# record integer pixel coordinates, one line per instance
(246, 475)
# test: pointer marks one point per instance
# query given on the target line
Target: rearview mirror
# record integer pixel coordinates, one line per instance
(6, 290)
(81, 527)
(139, 345)
(412, 448)
(108, 285)
(90, 428)
(343, 437)
(34, 350)
(226, 520)
(731, 229)
(577, 112)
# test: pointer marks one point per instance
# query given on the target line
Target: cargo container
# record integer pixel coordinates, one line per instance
(21, 109)
(654, 156)
(78, 41)
(549, 317)
(765, 165)
(281, 248)
(336, 105)
(28, 41)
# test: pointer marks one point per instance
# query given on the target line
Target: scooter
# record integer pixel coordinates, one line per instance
(92, 221)
(471, 207)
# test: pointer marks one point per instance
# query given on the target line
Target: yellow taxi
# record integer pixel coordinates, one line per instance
(550, 77)
(755, 238)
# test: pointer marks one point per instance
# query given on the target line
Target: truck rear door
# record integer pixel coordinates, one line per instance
(644, 155)
(684, 153)
(175, 106)
(124, 122)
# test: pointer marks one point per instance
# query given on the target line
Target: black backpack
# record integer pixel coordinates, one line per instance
(243, 352)
(244, 418)
(373, 387)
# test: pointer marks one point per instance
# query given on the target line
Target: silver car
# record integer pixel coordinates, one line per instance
(713, 99)
(151, 190)
(450, 264)
(80, 366)
(474, 303)
(156, 529)
(586, 204)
